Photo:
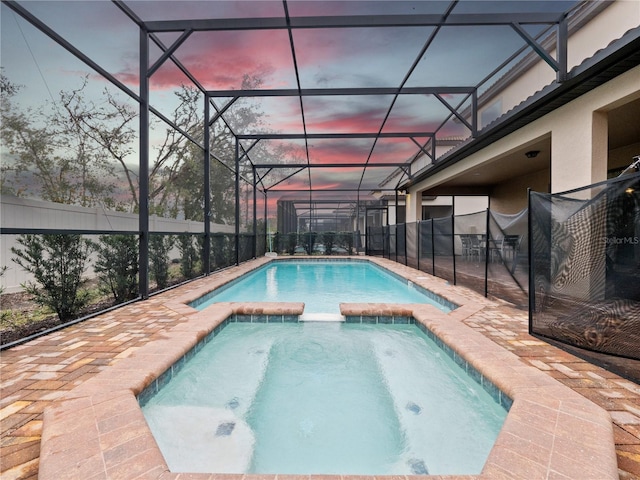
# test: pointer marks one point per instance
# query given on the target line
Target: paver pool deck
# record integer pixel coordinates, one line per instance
(570, 418)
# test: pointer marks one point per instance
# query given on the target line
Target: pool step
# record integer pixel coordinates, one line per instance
(321, 317)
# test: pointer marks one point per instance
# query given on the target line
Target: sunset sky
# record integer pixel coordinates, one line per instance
(326, 58)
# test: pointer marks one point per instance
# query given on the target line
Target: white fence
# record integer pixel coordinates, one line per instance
(18, 212)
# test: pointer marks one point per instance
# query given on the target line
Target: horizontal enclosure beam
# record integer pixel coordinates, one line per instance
(66, 231)
(317, 190)
(329, 165)
(320, 92)
(311, 136)
(352, 21)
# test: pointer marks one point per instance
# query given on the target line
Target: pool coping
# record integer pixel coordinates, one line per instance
(98, 430)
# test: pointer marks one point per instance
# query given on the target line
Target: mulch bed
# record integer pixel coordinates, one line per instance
(21, 303)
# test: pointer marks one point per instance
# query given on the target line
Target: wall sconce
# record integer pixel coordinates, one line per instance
(532, 153)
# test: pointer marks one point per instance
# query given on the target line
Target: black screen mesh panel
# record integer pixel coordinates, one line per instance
(586, 267)
(425, 229)
(411, 252)
(507, 262)
(375, 241)
(443, 247)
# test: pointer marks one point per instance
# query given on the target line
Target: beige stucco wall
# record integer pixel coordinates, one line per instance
(579, 133)
(511, 196)
(608, 25)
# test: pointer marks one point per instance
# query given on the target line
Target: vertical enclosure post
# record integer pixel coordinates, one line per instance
(366, 231)
(532, 290)
(406, 244)
(206, 253)
(255, 214)
(266, 222)
(143, 185)
(418, 243)
(486, 254)
(433, 250)
(237, 239)
(396, 224)
(453, 236)
(356, 240)
(561, 48)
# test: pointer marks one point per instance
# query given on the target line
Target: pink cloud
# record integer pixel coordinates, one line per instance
(363, 121)
(221, 59)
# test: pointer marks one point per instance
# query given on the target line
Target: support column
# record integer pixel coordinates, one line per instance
(579, 157)
(413, 202)
(579, 151)
(599, 146)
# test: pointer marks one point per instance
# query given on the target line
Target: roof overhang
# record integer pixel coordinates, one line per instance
(608, 63)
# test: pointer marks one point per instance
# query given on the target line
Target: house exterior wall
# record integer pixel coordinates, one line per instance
(579, 153)
(510, 197)
(610, 24)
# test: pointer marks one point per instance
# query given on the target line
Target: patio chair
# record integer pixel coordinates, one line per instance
(514, 242)
(476, 246)
(496, 249)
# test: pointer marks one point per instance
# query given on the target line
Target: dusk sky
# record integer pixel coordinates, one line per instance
(326, 58)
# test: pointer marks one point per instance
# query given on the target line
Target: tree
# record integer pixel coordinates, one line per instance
(80, 144)
(187, 189)
(57, 262)
(48, 157)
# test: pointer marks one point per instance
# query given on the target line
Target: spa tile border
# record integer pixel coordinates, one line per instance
(381, 319)
(496, 394)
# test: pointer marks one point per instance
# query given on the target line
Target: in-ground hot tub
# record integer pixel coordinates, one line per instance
(324, 398)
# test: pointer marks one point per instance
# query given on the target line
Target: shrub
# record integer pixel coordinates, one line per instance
(292, 241)
(218, 251)
(189, 256)
(346, 241)
(308, 241)
(277, 241)
(2, 270)
(57, 263)
(117, 266)
(159, 248)
(329, 240)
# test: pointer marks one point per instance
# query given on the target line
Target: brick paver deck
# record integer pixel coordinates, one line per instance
(39, 373)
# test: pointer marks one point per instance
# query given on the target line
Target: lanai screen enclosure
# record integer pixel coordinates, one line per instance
(219, 109)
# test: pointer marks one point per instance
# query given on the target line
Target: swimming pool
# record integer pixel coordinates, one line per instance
(543, 434)
(322, 285)
(305, 398)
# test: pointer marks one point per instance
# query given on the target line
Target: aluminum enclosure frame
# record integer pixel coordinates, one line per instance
(148, 35)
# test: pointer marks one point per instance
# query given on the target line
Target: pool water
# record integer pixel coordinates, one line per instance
(321, 285)
(323, 398)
